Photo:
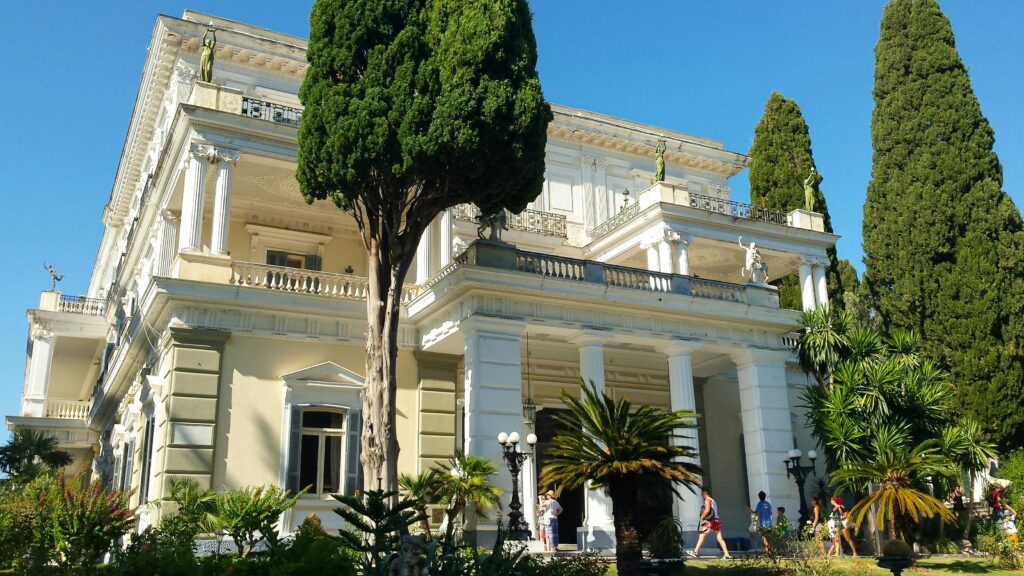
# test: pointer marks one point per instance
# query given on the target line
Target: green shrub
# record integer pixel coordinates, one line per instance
(249, 515)
(581, 565)
(666, 539)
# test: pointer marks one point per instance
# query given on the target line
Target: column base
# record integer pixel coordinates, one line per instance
(599, 537)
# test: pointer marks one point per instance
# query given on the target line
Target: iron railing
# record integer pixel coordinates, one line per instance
(270, 111)
(535, 221)
(737, 209)
(621, 217)
(81, 305)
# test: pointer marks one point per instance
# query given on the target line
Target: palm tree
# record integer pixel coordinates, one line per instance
(823, 343)
(465, 481)
(965, 443)
(902, 472)
(423, 490)
(29, 453)
(625, 451)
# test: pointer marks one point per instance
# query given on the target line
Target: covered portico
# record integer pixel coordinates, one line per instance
(667, 349)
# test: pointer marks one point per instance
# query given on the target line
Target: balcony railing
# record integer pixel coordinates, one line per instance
(271, 111)
(621, 217)
(81, 305)
(737, 209)
(67, 409)
(534, 221)
(300, 281)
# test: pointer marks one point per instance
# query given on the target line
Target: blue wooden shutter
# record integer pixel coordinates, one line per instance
(277, 258)
(129, 466)
(313, 262)
(294, 446)
(353, 469)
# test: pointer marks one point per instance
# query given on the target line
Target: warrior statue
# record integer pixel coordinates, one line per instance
(206, 59)
(753, 263)
(496, 222)
(659, 162)
(809, 188)
(54, 277)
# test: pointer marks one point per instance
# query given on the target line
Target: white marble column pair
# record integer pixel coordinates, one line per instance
(199, 157)
(813, 283)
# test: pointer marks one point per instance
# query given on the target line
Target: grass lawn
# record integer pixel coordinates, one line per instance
(855, 567)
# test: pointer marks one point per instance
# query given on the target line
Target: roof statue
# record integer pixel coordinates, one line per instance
(659, 162)
(54, 277)
(496, 222)
(753, 263)
(809, 188)
(206, 59)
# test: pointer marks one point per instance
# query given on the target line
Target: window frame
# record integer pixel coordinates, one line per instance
(322, 434)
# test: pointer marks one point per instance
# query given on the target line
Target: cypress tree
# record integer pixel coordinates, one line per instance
(781, 159)
(941, 239)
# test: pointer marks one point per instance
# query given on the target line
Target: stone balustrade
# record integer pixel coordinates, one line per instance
(495, 255)
(67, 409)
(300, 281)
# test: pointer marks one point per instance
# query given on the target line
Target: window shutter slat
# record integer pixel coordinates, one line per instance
(353, 469)
(294, 446)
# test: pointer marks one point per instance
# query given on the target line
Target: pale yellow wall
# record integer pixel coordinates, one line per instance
(248, 445)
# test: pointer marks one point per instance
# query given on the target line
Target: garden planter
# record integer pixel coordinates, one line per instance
(665, 566)
(895, 564)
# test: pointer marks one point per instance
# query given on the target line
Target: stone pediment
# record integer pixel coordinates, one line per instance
(325, 374)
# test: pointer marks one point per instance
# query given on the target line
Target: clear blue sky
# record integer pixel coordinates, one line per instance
(706, 68)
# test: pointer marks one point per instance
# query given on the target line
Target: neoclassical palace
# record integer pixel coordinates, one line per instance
(222, 335)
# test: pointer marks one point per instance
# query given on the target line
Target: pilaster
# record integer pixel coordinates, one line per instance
(437, 374)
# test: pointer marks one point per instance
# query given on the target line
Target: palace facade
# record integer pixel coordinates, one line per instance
(222, 334)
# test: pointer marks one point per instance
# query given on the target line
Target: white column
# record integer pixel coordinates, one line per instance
(423, 251)
(222, 200)
(167, 229)
(492, 391)
(193, 197)
(653, 258)
(665, 257)
(680, 382)
(598, 527)
(806, 286)
(444, 256)
(37, 373)
(529, 484)
(821, 284)
(767, 431)
(682, 256)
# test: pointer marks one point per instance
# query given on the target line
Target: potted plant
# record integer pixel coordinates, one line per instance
(666, 547)
(896, 556)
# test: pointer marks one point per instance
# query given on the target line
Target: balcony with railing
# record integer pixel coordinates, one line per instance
(81, 305)
(534, 221)
(67, 409)
(663, 192)
(301, 281)
(592, 272)
(271, 111)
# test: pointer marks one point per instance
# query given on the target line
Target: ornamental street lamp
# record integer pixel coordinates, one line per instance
(795, 470)
(517, 528)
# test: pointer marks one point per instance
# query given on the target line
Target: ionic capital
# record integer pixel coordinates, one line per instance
(202, 152)
(227, 155)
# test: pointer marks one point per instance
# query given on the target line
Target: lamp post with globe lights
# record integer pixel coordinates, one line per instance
(800, 472)
(514, 458)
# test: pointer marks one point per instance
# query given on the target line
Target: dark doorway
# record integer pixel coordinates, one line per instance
(572, 501)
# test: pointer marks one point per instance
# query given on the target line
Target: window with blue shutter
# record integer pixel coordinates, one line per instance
(353, 468)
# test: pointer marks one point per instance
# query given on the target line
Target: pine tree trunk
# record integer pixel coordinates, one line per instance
(379, 443)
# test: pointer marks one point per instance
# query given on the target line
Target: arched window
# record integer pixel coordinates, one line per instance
(322, 450)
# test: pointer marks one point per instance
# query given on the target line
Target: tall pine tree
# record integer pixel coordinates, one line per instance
(942, 241)
(781, 159)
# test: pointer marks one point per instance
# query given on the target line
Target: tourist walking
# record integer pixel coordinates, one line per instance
(551, 512)
(818, 531)
(839, 525)
(763, 510)
(542, 521)
(709, 522)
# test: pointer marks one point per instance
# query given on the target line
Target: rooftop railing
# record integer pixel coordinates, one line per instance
(535, 221)
(271, 111)
(81, 305)
(737, 209)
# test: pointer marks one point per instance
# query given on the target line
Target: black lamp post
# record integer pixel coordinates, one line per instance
(517, 527)
(795, 470)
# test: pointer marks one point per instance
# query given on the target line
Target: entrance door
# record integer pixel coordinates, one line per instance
(572, 501)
